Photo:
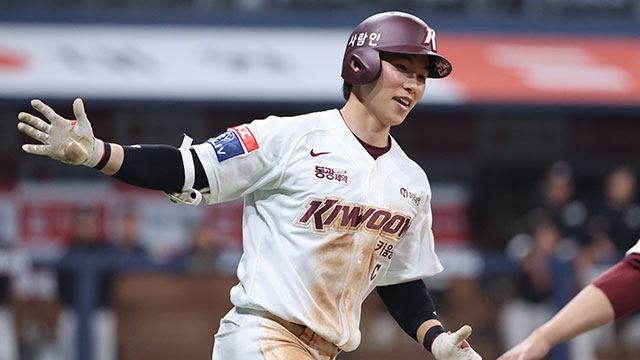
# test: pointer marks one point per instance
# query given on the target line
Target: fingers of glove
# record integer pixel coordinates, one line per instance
(81, 116)
(459, 337)
(35, 122)
(34, 133)
(36, 149)
(47, 112)
(467, 354)
(470, 354)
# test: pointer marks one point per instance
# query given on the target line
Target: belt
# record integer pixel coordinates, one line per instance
(306, 335)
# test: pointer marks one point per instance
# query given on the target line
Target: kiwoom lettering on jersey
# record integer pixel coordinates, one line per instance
(327, 173)
(322, 215)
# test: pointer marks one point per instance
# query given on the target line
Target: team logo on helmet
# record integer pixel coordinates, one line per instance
(442, 67)
(429, 38)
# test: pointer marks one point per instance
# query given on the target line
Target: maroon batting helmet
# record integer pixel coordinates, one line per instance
(391, 31)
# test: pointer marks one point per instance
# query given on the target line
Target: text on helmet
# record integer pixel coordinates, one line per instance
(361, 38)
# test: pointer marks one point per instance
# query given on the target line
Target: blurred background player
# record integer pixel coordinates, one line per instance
(534, 287)
(128, 242)
(89, 253)
(8, 338)
(616, 218)
(559, 201)
(209, 252)
(305, 271)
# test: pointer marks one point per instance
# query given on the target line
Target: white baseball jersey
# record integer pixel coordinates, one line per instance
(324, 223)
(635, 249)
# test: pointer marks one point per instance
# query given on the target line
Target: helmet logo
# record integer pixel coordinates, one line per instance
(442, 67)
(360, 39)
(429, 38)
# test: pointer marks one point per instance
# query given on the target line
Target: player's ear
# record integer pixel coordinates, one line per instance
(355, 64)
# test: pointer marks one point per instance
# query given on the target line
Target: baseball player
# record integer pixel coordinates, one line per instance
(333, 208)
(612, 295)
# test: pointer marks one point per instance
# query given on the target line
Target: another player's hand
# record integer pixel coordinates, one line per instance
(454, 346)
(532, 348)
(70, 141)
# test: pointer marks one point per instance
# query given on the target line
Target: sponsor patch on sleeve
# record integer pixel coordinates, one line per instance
(246, 136)
(233, 142)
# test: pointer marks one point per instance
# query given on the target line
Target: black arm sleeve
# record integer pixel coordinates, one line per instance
(409, 303)
(201, 177)
(157, 167)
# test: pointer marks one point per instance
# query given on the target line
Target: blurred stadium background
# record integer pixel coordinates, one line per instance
(531, 146)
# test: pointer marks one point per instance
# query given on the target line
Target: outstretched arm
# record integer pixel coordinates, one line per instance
(413, 309)
(159, 167)
(598, 304)
(587, 310)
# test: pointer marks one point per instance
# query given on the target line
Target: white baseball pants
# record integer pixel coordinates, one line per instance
(246, 334)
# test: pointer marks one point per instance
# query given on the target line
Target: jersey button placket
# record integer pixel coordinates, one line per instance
(373, 194)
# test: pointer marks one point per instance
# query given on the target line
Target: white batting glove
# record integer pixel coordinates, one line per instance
(447, 346)
(69, 141)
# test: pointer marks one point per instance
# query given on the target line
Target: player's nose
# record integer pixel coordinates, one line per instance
(411, 82)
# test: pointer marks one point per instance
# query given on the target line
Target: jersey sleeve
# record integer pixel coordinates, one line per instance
(617, 281)
(243, 159)
(414, 256)
(634, 249)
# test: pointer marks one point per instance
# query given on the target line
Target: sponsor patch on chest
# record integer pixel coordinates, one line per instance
(233, 142)
(332, 175)
(415, 198)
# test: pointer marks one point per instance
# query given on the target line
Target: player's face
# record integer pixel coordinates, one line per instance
(400, 85)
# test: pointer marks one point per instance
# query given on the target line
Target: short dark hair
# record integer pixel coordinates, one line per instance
(346, 90)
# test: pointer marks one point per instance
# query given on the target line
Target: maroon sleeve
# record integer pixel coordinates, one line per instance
(621, 285)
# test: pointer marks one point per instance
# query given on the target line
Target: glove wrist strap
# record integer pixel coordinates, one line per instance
(99, 156)
(431, 335)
